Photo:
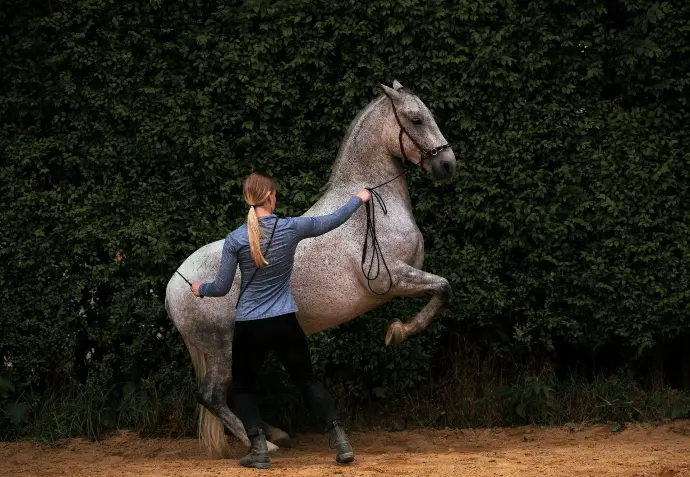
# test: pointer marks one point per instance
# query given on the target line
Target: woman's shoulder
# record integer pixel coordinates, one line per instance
(289, 222)
(238, 236)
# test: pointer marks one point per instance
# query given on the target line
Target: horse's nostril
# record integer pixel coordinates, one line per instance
(447, 167)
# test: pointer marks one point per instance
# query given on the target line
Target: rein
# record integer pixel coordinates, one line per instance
(376, 252)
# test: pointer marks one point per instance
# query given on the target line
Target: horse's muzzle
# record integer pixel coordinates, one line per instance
(443, 166)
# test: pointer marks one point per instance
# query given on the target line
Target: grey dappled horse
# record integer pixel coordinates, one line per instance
(328, 281)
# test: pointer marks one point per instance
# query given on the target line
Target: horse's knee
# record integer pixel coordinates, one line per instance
(444, 290)
(204, 397)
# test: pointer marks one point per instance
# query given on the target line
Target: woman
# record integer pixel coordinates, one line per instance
(266, 309)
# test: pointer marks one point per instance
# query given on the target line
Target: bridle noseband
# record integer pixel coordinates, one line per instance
(423, 153)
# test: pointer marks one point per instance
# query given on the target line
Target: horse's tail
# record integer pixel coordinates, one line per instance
(211, 429)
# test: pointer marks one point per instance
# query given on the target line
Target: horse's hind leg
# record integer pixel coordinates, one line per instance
(410, 281)
(213, 395)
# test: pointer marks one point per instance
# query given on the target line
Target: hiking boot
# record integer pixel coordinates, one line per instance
(344, 453)
(258, 454)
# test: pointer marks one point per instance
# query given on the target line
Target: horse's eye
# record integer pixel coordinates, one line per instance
(416, 120)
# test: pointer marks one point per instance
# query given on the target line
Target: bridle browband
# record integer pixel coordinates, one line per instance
(423, 153)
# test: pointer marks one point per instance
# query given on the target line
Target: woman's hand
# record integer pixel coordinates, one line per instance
(195, 288)
(364, 194)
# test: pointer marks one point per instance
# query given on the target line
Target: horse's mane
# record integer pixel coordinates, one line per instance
(354, 128)
(352, 131)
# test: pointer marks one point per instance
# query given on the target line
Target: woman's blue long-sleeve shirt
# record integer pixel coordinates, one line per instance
(270, 294)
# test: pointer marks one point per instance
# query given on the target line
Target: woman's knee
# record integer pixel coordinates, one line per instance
(315, 391)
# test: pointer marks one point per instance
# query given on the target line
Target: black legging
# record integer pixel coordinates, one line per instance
(282, 334)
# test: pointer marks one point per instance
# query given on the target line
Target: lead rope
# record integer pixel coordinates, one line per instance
(376, 252)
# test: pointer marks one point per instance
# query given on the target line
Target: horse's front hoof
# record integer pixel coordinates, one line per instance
(396, 333)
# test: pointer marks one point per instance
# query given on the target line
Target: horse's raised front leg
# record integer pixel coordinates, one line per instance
(410, 281)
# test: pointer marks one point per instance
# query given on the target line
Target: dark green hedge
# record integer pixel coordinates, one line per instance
(128, 126)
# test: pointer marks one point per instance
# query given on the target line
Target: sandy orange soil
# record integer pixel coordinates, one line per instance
(637, 450)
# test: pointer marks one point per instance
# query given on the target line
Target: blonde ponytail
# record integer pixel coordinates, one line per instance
(255, 238)
(257, 189)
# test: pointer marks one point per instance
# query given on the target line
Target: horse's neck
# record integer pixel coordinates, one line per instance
(364, 161)
(382, 170)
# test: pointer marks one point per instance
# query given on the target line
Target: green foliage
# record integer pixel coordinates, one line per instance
(127, 127)
(478, 392)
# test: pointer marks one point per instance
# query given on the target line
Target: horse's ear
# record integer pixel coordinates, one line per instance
(391, 93)
(396, 85)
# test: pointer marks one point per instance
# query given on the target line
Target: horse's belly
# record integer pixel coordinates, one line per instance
(325, 301)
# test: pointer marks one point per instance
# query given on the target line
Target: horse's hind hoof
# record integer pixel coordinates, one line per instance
(277, 436)
(396, 333)
(282, 440)
(273, 449)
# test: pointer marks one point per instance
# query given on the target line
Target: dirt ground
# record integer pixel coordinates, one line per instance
(637, 450)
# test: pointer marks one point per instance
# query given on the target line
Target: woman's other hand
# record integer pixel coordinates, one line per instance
(195, 288)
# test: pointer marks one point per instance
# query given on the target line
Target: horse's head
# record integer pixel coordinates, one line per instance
(411, 132)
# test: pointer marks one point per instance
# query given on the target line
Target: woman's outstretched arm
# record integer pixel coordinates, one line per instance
(314, 226)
